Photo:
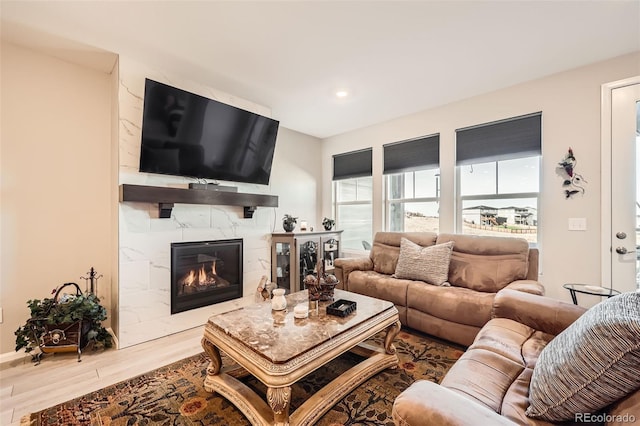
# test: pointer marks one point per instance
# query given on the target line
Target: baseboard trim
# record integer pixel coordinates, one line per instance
(116, 342)
(12, 356)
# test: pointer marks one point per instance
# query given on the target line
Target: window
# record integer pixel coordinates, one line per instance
(352, 198)
(412, 184)
(412, 201)
(499, 178)
(354, 211)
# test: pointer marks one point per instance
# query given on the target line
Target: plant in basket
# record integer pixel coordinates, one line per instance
(64, 323)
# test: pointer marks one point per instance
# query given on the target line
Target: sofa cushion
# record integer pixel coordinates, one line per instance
(386, 248)
(380, 286)
(429, 264)
(456, 304)
(591, 364)
(501, 354)
(486, 263)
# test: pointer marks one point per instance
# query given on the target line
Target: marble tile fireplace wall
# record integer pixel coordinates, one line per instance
(144, 239)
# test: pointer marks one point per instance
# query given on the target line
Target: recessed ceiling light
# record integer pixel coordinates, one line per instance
(342, 94)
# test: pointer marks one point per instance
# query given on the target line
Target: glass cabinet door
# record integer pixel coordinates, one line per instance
(308, 259)
(283, 265)
(330, 252)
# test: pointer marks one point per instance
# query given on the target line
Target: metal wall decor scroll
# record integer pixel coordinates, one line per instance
(572, 181)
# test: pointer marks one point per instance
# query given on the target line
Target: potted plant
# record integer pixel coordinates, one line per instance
(78, 315)
(328, 223)
(289, 222)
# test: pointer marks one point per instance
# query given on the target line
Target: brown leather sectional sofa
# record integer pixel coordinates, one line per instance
(506, 330)
(490, 383)
(480, 267)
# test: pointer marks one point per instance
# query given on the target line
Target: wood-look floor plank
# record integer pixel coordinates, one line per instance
(26, 388)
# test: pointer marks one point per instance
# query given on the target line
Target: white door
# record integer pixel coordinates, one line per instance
(624, 236)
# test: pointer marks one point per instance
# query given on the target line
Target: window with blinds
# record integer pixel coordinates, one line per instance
(498, 166)
(352, 164)
(353, 197)
(412, 170)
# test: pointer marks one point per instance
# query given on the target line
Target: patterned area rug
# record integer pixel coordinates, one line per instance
(174, 395)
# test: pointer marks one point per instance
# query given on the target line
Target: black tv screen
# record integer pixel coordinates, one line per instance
(184, 134)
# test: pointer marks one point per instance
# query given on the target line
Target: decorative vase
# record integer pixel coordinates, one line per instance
(288, 226)
(278, 302)
(328, 227)
(313, 287)
(327, 291)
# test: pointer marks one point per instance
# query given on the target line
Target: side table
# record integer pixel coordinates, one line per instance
(593, 290)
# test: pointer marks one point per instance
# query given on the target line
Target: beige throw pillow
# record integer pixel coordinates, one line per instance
(429, 264)
(591, 364)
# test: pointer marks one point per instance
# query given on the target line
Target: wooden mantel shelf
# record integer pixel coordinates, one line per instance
(166, 197)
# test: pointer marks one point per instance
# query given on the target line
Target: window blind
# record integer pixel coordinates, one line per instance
(415, 154)
(352, 164)
(516, 137)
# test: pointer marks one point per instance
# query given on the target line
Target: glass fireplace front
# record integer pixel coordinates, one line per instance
(204, 273)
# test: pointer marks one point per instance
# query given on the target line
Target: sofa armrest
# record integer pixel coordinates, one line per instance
(427, 403)
(542, 313)
(345, 265)
(528, 286)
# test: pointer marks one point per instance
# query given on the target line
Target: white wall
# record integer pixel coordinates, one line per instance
(55, 171)
(570, 105)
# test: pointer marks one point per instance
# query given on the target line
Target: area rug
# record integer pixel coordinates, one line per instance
(174, 395)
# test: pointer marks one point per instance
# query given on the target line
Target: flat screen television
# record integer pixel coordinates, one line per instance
(185, 134)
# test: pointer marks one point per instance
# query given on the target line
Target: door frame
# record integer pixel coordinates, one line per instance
(606, 112)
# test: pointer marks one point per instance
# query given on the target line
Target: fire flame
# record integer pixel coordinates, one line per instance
(201, 277)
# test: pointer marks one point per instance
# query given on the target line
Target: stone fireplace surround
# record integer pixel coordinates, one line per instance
(142, 298)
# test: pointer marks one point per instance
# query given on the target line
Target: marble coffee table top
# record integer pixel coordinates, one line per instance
(279, 337)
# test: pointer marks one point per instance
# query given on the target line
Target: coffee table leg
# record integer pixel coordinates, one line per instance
(279, 399)
(392, 332)
(214, 354)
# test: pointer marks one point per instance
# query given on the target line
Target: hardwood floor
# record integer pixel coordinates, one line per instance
(26, 388)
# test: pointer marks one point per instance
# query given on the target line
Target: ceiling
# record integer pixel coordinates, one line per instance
(395, 58)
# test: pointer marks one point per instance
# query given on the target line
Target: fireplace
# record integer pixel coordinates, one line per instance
(204, 273)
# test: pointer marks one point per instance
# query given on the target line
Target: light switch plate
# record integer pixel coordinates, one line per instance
(577, 224)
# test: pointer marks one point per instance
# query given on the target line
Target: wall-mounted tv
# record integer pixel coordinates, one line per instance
(185, 134)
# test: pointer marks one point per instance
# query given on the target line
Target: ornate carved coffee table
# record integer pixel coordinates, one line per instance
(279, 349)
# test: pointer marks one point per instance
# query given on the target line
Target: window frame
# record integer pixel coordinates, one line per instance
(388, 201)
(495, 196)
(335, 204)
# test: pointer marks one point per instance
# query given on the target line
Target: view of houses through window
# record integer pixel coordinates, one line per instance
(500, 198)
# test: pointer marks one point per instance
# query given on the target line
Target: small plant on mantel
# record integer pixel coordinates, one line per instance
(289, 222)
(328, 223)
(67, 309)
